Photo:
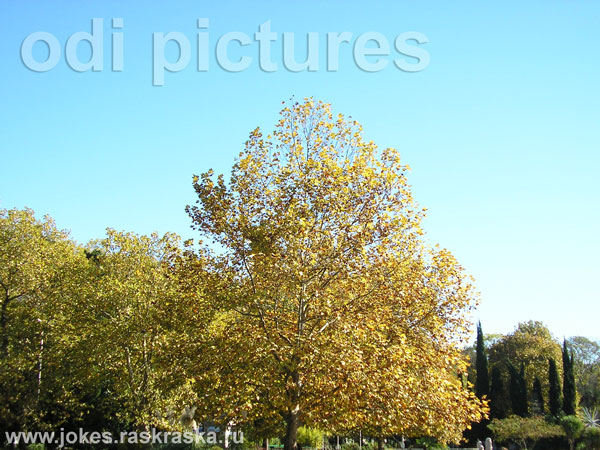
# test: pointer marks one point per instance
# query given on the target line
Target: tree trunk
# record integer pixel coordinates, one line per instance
(291, 431)
(380, 443)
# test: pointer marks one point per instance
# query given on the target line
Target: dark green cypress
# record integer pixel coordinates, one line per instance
(568, 382)
(482, 378)
(497, 394)
(554, 400)
(538, 397)
(482, 388)
(518, 391)
(523, 388)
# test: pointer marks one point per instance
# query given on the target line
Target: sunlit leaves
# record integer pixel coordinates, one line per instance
(331, 310)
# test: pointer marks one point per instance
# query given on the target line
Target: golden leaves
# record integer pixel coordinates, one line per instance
(336, 305)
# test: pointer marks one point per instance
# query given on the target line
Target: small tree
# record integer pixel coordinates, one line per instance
(572, 426)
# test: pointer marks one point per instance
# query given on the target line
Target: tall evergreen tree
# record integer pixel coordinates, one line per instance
(497, 394)
(482, 378)
(538, 397)
(568, 382)
(554, 397)
(478, 430)
(518, 391)
(524, 393)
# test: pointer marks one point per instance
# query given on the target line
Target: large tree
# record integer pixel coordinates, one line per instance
(531, 345)
(91, 337)
(135, 311)
(328, 309)
(38, 277)
(586, 368)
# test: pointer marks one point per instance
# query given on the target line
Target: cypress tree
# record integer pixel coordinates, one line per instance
(568, 382)
(518, 391)
(482, 388)
(554, 400)
(482, 379)
(523, 388)
(497, 393)
(538, 397)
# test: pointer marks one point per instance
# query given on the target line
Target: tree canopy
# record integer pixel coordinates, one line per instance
(332, 311)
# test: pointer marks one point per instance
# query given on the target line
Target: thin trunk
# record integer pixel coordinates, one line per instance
(40, 365)
(380, 443)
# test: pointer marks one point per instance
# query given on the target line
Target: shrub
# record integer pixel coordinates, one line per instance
(368, 445)
(590, 416)
(523, 431)
(309, 437)
(591, 437)
(430, 443)
(572, 426)
(351, 446)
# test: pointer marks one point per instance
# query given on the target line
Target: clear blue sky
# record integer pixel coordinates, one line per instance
(502, 129)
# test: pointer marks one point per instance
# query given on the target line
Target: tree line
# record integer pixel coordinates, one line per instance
(534, 385)
(313, 301)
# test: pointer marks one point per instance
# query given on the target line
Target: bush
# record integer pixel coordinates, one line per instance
(310, 437)
(429, 443)
(368, 445)
(523, 431)
(247, 444)
(351, 446)
(591, 437)
(572, 426)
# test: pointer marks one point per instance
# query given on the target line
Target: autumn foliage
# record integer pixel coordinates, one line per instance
(313, 302)
(332, 311)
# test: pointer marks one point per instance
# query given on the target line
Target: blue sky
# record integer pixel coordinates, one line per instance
(501, 129)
